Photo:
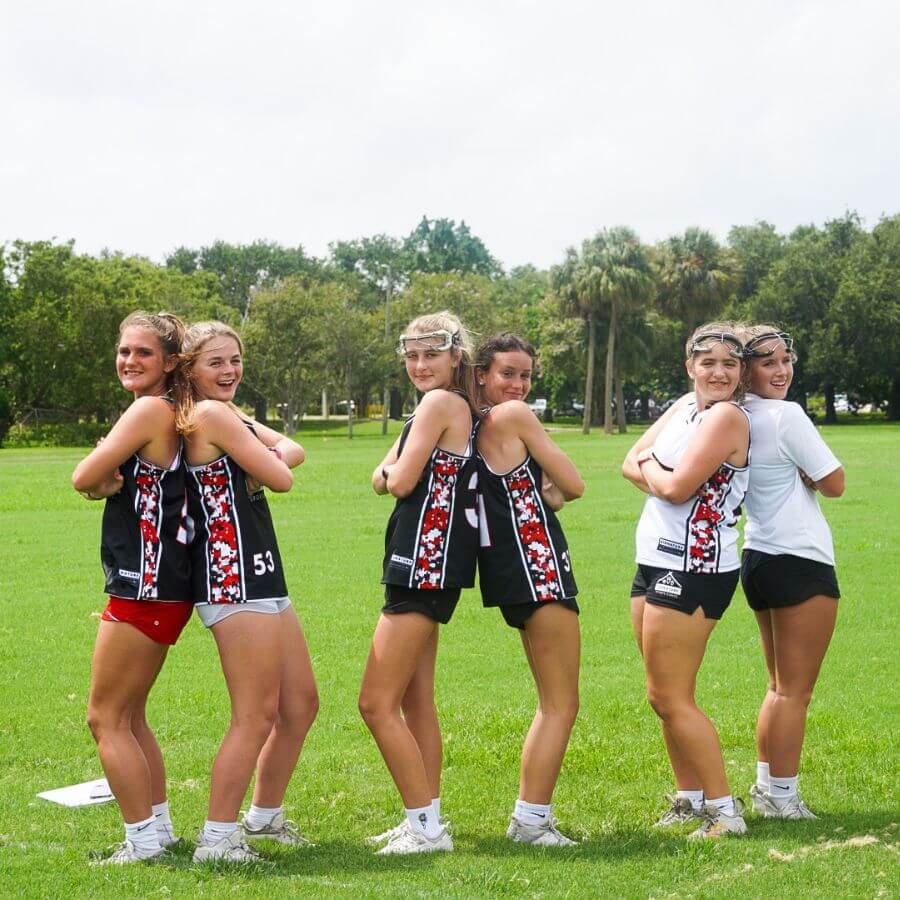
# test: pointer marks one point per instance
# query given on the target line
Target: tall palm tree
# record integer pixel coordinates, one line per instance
(613, 269)
(694, 273)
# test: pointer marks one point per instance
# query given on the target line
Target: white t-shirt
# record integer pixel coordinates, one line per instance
(783, 514)
(699, 535)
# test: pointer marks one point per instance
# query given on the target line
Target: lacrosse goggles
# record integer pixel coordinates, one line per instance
(445, 340)
(753, 347)
(705, 342)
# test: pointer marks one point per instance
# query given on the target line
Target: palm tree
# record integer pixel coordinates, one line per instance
(694, 273)
(613, 269)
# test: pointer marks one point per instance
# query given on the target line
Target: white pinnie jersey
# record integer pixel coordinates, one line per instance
(783, 514)
(699, 535)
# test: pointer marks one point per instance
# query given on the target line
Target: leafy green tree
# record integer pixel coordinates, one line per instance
(755, 249)
(442, 245)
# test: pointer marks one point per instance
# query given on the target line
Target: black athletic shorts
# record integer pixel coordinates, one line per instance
(517, 614)
(437, 604)
(774, 581)
(685, 591)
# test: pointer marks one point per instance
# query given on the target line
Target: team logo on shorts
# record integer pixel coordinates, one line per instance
(668, 585)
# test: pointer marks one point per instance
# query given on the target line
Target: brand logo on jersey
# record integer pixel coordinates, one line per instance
(673, 547)
(668, 585)
(129, 576)
(404, 561)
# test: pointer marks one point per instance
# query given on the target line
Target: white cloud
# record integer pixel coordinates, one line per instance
(143, 126)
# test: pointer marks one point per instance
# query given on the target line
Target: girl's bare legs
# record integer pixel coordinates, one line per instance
(125, 665)
(552, 643)
(250, 649)
(398, 646)
(420, 715)
(801, 636)
(298, 703)
(767, 640)
(674, 644)
(686, 778)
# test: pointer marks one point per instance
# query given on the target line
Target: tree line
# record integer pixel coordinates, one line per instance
(609, 320)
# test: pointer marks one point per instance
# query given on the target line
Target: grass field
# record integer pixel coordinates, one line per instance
(330, 529)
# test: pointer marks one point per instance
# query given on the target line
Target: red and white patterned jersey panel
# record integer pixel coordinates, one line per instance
(431, 537)
(699, 535)
(144, 544)
(235, 553)
(523, 556)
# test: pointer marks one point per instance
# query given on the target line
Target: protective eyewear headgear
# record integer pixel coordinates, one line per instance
(757, 346)
(704, 343)
(432, 340)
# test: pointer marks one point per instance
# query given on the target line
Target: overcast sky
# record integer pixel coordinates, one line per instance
(143, 126)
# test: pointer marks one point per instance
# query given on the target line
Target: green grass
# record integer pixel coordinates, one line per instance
(330, 530)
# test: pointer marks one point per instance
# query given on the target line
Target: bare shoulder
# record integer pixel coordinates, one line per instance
(214, 414)
(513, 411)
(441, 402)
(151, 409)
(727, 415)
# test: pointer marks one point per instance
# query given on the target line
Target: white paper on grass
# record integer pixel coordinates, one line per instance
(85, 794)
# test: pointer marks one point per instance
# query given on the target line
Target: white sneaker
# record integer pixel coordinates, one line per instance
(758, 799)
(680, 810)
(279, 829)
(717, 824)
(232, 848)
(167, 837)
(409, 841)
(544, 835)
(125, 853)
(773, 807)
(388, 835)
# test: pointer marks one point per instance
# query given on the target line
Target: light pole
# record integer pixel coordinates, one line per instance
(386, 397)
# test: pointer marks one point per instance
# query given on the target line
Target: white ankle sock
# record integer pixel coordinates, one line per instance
(762, 775)
(424, 821)
(782, 788)
(259, 816)
(696, 798)
(213, 832)
(164, 827)
(436, 806)
(723, 804)
(144, 836)
(532, 813)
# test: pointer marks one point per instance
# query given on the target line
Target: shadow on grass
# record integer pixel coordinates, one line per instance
(329, 858)
(333, 859)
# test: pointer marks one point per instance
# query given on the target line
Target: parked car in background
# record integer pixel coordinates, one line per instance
(539, 407)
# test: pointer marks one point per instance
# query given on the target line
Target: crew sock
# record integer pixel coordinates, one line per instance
(423, 821)
(696, 798)
(782, 788)
(164, 827)
(762, 776)
(436, 806)
(213, 832)
(259, 816)
(144, 837)
(532, 813)
(723, 804)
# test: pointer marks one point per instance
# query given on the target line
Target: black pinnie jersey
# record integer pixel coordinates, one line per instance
(523, 556)
(234, 554)
(431, 541)
(145, 533)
